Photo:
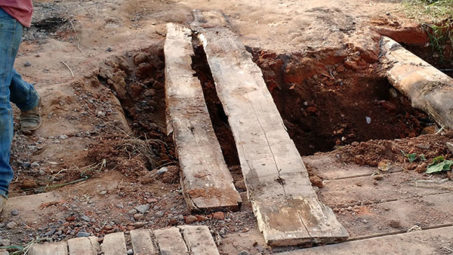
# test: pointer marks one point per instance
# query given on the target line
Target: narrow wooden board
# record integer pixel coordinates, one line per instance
(433, 241)
(206, 180)
(428, 88)
(60, 248)
(170, 241)
(284, 203)
(114, 244)
(83, 246)
(199, 240)
(142, 242)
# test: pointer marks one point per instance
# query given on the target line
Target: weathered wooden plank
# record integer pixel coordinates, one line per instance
(433, 241)
(428, 88)
(170, 241)
(60, 248)
(199, 240)
(83, 246)
(114, 244)
(286, 206)
(206, 180)
(142, 243)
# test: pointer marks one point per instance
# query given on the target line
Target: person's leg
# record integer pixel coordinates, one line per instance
(22, 93)
(10, 38)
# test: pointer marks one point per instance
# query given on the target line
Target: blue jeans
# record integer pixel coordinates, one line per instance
(12, 88)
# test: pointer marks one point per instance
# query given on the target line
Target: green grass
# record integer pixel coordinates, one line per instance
(436, 16)
(432, 11)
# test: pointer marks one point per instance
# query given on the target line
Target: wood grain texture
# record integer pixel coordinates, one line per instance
(284, 202)
(170, 241)
(206, 181)
(83, 246)
(142, 242)
(60, 248)
(199, 240)
(114, 244)
(428, 88)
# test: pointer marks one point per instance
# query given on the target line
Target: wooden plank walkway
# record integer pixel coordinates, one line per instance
(206, 182)
(433, 241)
(193, 240)
(284, 202)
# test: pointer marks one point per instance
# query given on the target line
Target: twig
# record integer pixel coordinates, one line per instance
(78, 40)
(68, 68)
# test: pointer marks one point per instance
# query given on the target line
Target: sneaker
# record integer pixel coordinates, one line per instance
(2, 203)
(31, 120)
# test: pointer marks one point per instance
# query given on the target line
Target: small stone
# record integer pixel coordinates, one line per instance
(102, 192)
(162, 170)
(132, 211)
(11, 225)
(142, 208)
(368, 120)
(139, 224)
(395, 224)
(100, 114)
(159, 213)
(218, 215)
(316, 181)
(244, 253)
(190, 219)
(378, 177)
(384, 165)
(240, 185)
(138, 216)
(27, 64)
(34, 165)
(5, 242)
(14, 212)
(130, 252)
(450, 146)
(83, 234)
(85, 218)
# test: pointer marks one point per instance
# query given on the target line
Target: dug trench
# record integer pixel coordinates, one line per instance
(331, 100)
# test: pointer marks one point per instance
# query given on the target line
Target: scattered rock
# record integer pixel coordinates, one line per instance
(83, 234)
(240, 185)
(171, 175)
(142, 208)
(11, 225)
(5, 242)
(130, 252)
(378, 177)
(384, 165)
(421, 168)
(190, 219)
(138, 216)
(28, 184)
(395, 224)
(316, 181)
(162, 170)
(244, 253)
(450, 146)
(218, 215)
(27, 64)
(14, 212)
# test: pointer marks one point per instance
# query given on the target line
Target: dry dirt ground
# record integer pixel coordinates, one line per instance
(103, 149)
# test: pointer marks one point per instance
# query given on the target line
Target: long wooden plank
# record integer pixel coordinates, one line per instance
(83, 246)
(433, 241)
(114, 244)
(170, 241)
(60, 248)
(206, 180)
(428, 88)
(285, 205)
(142, 243)
(199, 240)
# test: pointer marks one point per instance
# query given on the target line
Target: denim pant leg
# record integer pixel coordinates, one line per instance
(10, 38)
(22, 93)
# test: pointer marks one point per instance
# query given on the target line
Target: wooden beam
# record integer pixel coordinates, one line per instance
(83, 246)
(170, 241)
(114, 244)
(429, 89)
(284, 202)
(199, 240)
(60, 248)
(206, 181)
(142, 243)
